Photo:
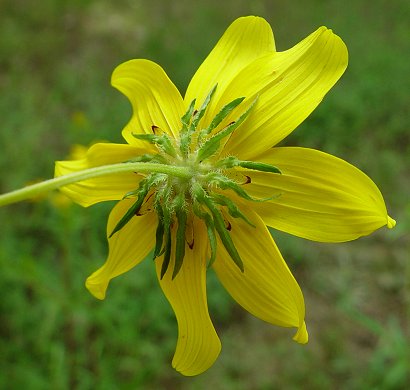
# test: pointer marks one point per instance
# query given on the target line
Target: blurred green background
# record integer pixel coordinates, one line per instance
(56, 58)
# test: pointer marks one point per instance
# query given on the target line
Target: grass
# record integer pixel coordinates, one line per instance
(55, 65)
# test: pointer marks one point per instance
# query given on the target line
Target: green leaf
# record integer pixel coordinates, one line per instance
(227, 162)
(208, 149)
(258, 166)
(159, 233)
(224, 183)
(151, 180)
(232, 161)
(219, 224)
(225, 111)
(148, 158)
(210, 230)
(200, 113)
(165, 143)
(211, 146)
(151, 138)
(131, 194)
(133, 210)
(225, 236)
(185, 133)
(142, 191)
(231, 206)
(190, 122)
(180, 241)
(162, 141)
(167, 254)
(186, 118)
(162, 198)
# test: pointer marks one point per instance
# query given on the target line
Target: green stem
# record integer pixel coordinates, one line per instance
(61, 181)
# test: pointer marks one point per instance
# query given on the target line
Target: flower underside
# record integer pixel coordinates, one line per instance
(176, 198)
(194, 173)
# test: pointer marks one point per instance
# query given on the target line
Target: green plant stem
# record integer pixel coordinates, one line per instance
(61, 181)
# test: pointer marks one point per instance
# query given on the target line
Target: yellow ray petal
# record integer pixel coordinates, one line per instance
(154, 98)
(127, 248)
(246, 39)
(109, 187)
(322, 197)
(198, 344)
(290, 85)
(266, 288)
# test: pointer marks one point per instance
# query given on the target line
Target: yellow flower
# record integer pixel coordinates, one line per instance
(244, 99)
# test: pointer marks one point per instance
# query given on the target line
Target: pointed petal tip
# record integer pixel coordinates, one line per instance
(301, 336)
(97, 288)
(251, 19)
(339, 44)
(391, 223)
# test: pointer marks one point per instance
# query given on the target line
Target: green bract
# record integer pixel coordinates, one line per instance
(174, 198)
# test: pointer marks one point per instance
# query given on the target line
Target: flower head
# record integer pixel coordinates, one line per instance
(230, 183)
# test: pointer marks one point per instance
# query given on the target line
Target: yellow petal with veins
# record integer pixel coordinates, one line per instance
(320, 197)
(245, 40)
(266, 288)
(127, 248)
(154, 98)
(198, 344)
(289, 86)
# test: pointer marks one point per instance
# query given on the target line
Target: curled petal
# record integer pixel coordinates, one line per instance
(266, 288)
(245, 40)
(127, 248)
(99, 189)
(154, 98)
(198, 344)
(321, 197)
(289, 86)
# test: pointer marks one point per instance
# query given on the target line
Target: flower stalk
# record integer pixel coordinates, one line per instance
(90, 173)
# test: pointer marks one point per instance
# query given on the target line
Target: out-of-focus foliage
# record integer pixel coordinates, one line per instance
(56, 58)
